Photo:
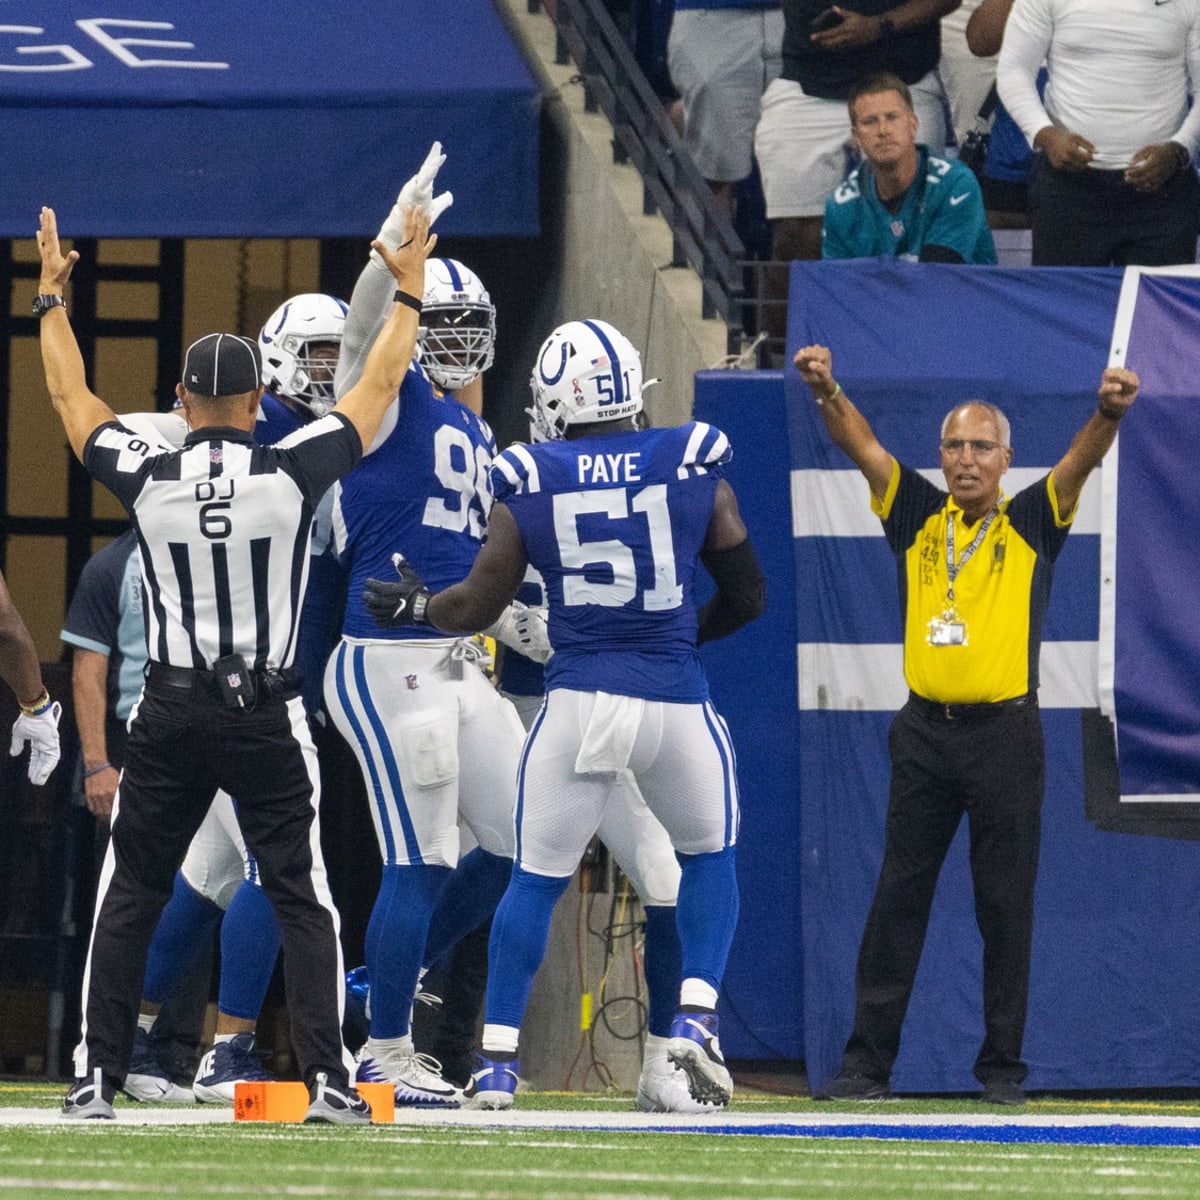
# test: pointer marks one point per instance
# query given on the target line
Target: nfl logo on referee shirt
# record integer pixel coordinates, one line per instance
(215, 453)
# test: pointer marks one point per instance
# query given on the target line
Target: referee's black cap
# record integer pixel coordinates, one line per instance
(222, 364)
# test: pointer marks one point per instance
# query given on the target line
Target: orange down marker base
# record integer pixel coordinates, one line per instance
(289, 1101)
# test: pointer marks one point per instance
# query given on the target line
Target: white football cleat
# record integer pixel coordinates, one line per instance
(416, 1078)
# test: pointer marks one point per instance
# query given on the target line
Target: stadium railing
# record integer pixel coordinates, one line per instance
(702, 234)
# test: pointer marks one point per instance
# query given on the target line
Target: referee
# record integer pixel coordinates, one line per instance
(223, 534)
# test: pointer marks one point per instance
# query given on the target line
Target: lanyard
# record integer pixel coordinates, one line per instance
(952, 567)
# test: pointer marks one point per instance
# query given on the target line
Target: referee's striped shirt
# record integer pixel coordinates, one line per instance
(223, 529)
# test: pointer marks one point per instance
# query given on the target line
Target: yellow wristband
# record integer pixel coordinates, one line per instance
(38, 706)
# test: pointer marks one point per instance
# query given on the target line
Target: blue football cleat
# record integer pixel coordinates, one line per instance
(492, 1083)
(225, 1066)
(696, 1051)
(148, 1078)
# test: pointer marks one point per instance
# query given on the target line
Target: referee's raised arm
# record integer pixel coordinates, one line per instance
(383, 373)
(80, 409)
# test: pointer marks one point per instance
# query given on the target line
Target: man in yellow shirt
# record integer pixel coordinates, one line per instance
(975, 574)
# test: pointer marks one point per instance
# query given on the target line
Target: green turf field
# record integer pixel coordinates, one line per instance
(491, 1158)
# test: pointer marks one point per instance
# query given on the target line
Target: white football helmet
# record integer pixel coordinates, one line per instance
(457, 334)
(290, 368)
(586, 371)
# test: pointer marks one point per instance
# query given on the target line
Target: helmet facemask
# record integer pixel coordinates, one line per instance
(457, 335)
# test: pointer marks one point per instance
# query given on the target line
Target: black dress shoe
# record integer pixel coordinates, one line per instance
(853, 1086)
(1003, 1091)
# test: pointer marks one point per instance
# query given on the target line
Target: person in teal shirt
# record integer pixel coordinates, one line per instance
(902, 201)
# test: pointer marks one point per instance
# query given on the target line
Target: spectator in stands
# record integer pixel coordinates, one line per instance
(1005, 177)
(37, 724)
(1112, 179)
(722, 54)
(966, 76)
(976, 568)
(902, 200)
(804, 136)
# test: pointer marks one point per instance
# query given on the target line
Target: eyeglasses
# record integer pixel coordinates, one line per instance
(955, 446)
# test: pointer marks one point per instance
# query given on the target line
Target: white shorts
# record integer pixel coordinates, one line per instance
(679, 756)
(804, 148)
(634, 836)
(965, 78)
(721, 60)
(217, 860)
(434, 740)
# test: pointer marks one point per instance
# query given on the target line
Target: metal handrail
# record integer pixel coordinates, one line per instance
(702, 234)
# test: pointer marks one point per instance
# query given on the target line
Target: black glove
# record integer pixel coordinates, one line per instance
(398, 602)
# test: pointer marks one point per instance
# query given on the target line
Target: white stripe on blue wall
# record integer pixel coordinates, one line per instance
(870, 677)
(837, 503)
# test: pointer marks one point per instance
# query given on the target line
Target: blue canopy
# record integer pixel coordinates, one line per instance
(168, 118)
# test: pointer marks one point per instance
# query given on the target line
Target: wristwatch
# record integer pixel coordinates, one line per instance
(43, 304)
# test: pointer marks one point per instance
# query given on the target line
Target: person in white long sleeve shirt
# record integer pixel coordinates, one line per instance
(1112, 179)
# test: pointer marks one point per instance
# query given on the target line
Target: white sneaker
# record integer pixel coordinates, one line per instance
(663, 1088)
(417, 1079)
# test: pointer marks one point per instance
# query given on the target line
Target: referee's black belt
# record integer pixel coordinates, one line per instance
(283, 684)
(937, 711)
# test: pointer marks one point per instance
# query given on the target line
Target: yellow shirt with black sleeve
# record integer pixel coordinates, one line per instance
(1000, 594)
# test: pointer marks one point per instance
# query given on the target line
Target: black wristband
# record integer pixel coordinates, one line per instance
(1109, 413)
(404, 298)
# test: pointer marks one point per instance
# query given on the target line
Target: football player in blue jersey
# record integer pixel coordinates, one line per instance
(642, 849)
(426, 498)
(433, 738)
(617, 521)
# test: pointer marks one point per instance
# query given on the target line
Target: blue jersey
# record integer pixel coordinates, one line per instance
(422, 492)
(615, 525)
(276, 420)
(942, 207)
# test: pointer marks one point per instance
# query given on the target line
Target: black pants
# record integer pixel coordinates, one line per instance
(991, 768)
(180, 1021)
(184, 744)
(1096, 219)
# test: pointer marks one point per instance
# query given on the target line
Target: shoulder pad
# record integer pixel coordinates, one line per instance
(514, 471)
(705, 447)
